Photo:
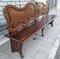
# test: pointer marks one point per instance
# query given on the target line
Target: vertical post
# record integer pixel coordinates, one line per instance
(42, 32)
(16, 46)
(20, 50)
(51, 23)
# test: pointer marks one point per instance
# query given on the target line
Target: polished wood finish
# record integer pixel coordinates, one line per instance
(41, 9)
(18, 39)
(23, 35)
(19, 18)
(18, 23)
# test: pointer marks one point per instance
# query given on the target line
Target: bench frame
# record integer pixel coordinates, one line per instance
(17, 46)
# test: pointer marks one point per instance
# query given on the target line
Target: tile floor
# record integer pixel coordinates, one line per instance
(41, 48)
(57, 56)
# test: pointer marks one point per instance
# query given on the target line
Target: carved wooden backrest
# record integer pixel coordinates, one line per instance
(18, 18)
(42, 8)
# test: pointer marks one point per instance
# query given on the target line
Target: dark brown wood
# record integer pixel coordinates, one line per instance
(19, 18)
(16, 46)
(41, 8)
(19, 26)
(18, 39)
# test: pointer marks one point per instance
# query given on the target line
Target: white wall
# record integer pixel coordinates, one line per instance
(44, 1)
(58, 4)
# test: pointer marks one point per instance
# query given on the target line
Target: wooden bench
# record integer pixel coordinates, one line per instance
(18, 39)
(23, 22)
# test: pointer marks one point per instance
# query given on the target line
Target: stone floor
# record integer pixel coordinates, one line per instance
(41, 48)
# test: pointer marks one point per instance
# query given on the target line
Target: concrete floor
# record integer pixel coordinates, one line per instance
(41, 48)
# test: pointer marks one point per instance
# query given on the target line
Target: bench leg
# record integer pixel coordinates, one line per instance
(42, 32)
(21, 50)
(51, 23)
(16, 47)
